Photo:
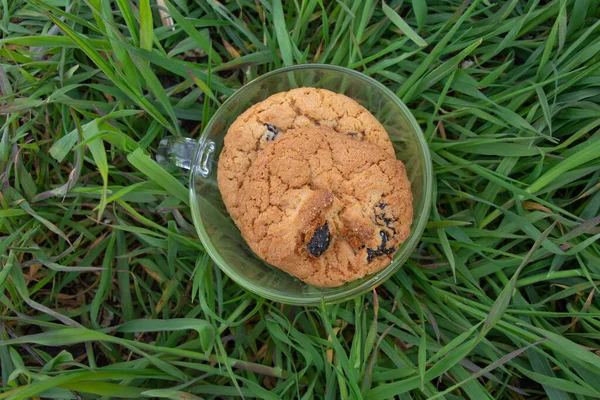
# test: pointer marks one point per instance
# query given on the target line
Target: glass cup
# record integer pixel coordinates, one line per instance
(222, 239)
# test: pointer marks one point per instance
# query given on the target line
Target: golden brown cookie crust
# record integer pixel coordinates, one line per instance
(270, 119)
(325, 207)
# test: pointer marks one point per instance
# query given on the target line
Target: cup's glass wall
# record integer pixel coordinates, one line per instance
(220, 235)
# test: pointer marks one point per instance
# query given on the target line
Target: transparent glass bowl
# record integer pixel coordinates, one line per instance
(220, 236)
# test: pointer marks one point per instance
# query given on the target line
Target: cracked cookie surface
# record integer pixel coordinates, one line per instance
(325, 207)
(265, 122)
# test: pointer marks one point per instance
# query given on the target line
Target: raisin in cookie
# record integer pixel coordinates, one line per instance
(325, 207)
(265, 122)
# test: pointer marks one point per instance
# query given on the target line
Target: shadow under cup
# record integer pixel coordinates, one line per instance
(221, 237)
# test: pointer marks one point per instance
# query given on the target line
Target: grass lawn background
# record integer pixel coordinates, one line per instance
(105, 290)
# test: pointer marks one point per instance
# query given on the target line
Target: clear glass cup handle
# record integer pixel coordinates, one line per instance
(180, 151)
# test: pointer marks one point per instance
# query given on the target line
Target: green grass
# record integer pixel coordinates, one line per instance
(105, 290)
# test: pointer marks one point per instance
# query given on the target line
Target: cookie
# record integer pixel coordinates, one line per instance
(325, 207)
(267, 121)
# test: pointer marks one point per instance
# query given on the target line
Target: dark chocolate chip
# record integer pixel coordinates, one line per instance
(384, 238)
(381, 218)
(272, 132)
(272, 128)
(352, 134)
(381, 250)
(371, 254)
(320, 241)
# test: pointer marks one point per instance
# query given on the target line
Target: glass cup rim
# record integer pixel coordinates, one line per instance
(314, 299)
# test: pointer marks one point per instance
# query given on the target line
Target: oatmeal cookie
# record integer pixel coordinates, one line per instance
(325, 207)
(267, 121)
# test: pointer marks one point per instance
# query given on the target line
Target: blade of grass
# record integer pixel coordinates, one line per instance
(158, 175)
(403, 26)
